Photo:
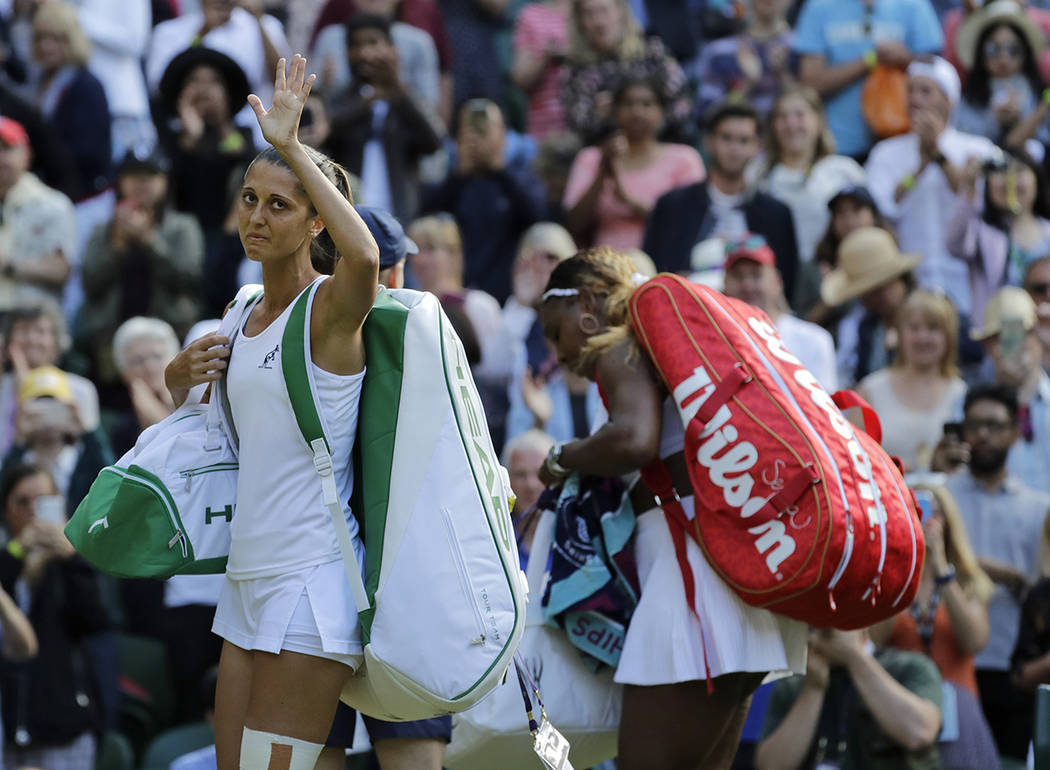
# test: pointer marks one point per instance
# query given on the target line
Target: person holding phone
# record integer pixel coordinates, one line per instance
(381, 130)
(1009, 338)
(493, 201)
(1001, 238)
(51, 435)
(948, 621)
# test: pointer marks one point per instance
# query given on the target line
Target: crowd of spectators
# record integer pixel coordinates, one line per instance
(741, 144)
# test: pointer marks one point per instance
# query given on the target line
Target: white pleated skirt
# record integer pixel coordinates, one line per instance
(309, 611)
(666, 644)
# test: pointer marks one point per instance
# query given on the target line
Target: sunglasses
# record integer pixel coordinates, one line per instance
(991, 50)
(1039, 289)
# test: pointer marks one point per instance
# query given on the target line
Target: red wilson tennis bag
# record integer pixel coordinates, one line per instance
(799, 512)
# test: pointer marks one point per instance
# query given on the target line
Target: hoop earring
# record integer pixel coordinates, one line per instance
(589, 324)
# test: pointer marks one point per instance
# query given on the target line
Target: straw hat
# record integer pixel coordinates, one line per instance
(868, 258)
(1009, 303)
(997, 12)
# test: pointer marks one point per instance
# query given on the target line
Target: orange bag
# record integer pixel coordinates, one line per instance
(884, 101)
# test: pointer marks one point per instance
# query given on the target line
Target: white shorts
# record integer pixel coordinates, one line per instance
(309, 611)
(664, 642)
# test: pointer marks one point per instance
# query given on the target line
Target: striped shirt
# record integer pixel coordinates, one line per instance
(539, 26)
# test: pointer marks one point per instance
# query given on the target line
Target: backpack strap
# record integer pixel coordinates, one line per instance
(295, 363)
(847, 399)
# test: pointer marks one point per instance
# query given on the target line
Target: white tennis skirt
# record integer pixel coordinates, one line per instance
(309, 611)
(665, 643)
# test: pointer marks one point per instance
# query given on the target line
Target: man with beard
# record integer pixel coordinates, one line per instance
(1004, 519)
(722, 206)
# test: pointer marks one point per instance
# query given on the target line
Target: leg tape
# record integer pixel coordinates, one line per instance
(267, 751)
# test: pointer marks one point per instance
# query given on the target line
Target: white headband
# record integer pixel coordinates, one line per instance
(558, 293)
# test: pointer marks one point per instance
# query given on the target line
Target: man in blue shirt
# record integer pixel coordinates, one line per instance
(841, 41)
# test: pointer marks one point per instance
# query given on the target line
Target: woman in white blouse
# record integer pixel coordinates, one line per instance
(801, 169)
(921, 390)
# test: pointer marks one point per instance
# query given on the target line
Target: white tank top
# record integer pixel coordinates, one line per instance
(281, 524)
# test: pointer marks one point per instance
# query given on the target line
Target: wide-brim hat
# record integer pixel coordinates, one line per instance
(237, 88)
(997, 12)
(867, 259)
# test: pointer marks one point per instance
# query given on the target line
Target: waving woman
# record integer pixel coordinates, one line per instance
(291, 634)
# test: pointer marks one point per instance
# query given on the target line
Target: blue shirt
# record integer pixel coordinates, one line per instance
(835, 29)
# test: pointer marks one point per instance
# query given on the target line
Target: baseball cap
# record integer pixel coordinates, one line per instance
(390, 236)
(857, 192)
(46, 382)
(752, 247)
(12, 133)
(151, 162)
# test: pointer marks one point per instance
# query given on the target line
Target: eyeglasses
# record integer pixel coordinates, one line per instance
(992, 426)
(1039, 289)
(991, 50)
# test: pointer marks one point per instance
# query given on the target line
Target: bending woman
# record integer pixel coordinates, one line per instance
(291, 637)
(671, 718)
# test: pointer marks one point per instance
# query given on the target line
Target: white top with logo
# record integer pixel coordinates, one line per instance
(281, 524)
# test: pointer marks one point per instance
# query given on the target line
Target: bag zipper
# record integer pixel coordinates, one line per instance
(180, 536)
(191, 472)
(847, 554)
(464, 577)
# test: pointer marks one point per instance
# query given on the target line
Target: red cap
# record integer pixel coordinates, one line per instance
(12, 134)
(753, 247)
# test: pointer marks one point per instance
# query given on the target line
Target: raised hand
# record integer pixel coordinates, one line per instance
(280, 124)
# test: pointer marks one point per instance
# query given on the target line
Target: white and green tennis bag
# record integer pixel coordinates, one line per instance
(166, 505)
(445, 595)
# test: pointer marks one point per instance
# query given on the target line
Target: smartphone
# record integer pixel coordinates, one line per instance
(925, 499)
(953, 430)
(52, 509)
(1011, 338)
(49, 412)
(478, 115)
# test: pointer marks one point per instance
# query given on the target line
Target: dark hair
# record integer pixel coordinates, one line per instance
(993, 391)
(727, 110)
(977, 90)
(323, 253)
(639, 81)
(827, 251)
(361, 21)
(1000, 218)
(15, 475)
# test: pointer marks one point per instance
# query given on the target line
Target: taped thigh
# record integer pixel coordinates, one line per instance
(268, 751)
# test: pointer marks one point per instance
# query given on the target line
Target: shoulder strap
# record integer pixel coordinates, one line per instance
(295, 360)
(219, 414)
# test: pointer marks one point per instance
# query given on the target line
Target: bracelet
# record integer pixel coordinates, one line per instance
(553, 464)
(946, 578)
(870, 59)
(908, 182)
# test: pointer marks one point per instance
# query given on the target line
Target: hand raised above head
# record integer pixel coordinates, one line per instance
(280, 124)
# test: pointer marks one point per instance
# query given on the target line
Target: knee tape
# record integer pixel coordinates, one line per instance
(267, 751)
